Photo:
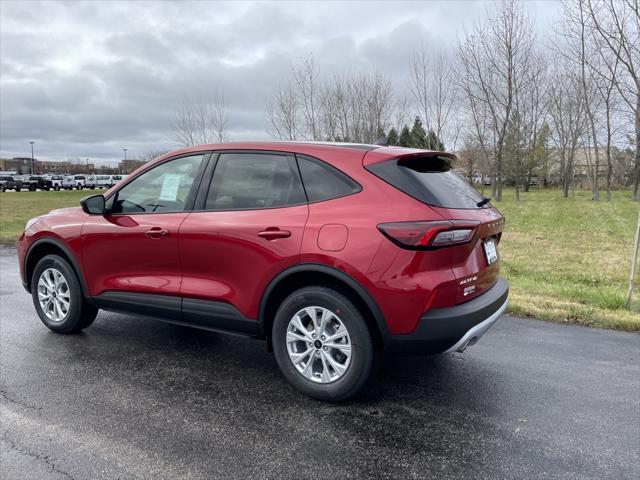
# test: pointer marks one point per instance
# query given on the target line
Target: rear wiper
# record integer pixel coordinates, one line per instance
(483, 202)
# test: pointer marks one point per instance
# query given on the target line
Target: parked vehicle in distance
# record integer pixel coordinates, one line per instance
(97, 181)
(114, 179)
(68, 182)
(9, 182)
(57, 182)
(332, 253)
(90, 182)
(36, 182)
(79, 181)
(103, 181)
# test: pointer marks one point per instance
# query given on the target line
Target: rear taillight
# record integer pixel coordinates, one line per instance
(429, 235)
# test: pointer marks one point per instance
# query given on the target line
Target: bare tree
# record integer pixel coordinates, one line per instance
(532, 105)
(420, 84)
(567, 116)
(578, 49)
(605, 85)
(495, 61)
(348, 108)
(616, 23)
(477, 129)
(200, 121)
(151, 155)
(308, 91)
(432, 87)
(283, 113)
(401, 113)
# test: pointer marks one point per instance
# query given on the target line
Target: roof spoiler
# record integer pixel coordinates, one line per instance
(406, 155)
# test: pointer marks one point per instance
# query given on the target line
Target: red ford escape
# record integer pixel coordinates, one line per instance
(331, 252)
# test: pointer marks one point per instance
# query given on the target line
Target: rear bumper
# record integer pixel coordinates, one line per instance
(453, 329)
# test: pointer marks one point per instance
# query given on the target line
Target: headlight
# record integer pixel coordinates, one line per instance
(31, 222)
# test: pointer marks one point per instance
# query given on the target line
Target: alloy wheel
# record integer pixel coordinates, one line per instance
(54, 295)
(319, 344)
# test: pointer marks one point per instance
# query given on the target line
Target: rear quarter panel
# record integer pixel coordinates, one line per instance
(400, 281)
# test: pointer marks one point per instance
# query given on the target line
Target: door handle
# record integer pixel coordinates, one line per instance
(273, 233)
(156, 232)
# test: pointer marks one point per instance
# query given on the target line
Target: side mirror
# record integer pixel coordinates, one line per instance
(93, 205)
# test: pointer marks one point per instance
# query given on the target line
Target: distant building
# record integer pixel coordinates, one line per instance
(9, 165)
(128, 166)
(20, 165)
(64, 167)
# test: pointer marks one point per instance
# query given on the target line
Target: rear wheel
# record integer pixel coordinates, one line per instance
(57, 296)
(322, 344)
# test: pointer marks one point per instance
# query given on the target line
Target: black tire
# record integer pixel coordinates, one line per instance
(363, 356)
(80, 314)
(56, 188)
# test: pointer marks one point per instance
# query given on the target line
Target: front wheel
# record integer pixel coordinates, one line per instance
(57, 296)
(322, 344)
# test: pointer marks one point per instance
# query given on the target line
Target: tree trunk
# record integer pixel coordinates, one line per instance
(494, 186)
(595, 193)
(636, 186)
(609, 164)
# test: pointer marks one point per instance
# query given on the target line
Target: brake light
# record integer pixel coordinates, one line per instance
(429, 235)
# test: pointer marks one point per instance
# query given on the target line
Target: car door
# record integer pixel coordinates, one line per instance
(247, 227)
(134, 247)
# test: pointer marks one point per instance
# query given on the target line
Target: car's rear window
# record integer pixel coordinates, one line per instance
(430, 180)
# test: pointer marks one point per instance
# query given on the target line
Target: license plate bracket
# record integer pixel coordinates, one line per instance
(490, 251)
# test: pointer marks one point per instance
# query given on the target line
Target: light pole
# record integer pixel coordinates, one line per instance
(33, 164)
(125, 159)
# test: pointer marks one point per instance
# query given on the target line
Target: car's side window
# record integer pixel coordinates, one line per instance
(323, 182)
(161, 189)
(248, 181)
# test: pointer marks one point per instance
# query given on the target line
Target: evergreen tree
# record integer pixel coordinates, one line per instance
(418, 134)
(405, 137)
(433, 142)
(392, 138)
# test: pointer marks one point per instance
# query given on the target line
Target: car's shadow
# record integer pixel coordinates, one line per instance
(126, 341)
(140, 370)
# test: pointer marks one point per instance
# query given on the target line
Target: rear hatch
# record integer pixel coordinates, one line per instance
(470, 232)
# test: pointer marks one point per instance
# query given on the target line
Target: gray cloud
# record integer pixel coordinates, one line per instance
(85, 79)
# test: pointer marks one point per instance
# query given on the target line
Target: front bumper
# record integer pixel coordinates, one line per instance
(453, 329)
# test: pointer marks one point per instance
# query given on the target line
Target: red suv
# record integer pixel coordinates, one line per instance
(331, 252)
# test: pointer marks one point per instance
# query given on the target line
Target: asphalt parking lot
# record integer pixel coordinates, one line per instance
(135, 399)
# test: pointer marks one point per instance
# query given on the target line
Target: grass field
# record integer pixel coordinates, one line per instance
(17, 208)
(567, 260)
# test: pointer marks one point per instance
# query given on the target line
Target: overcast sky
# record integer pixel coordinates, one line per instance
(84, 80)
